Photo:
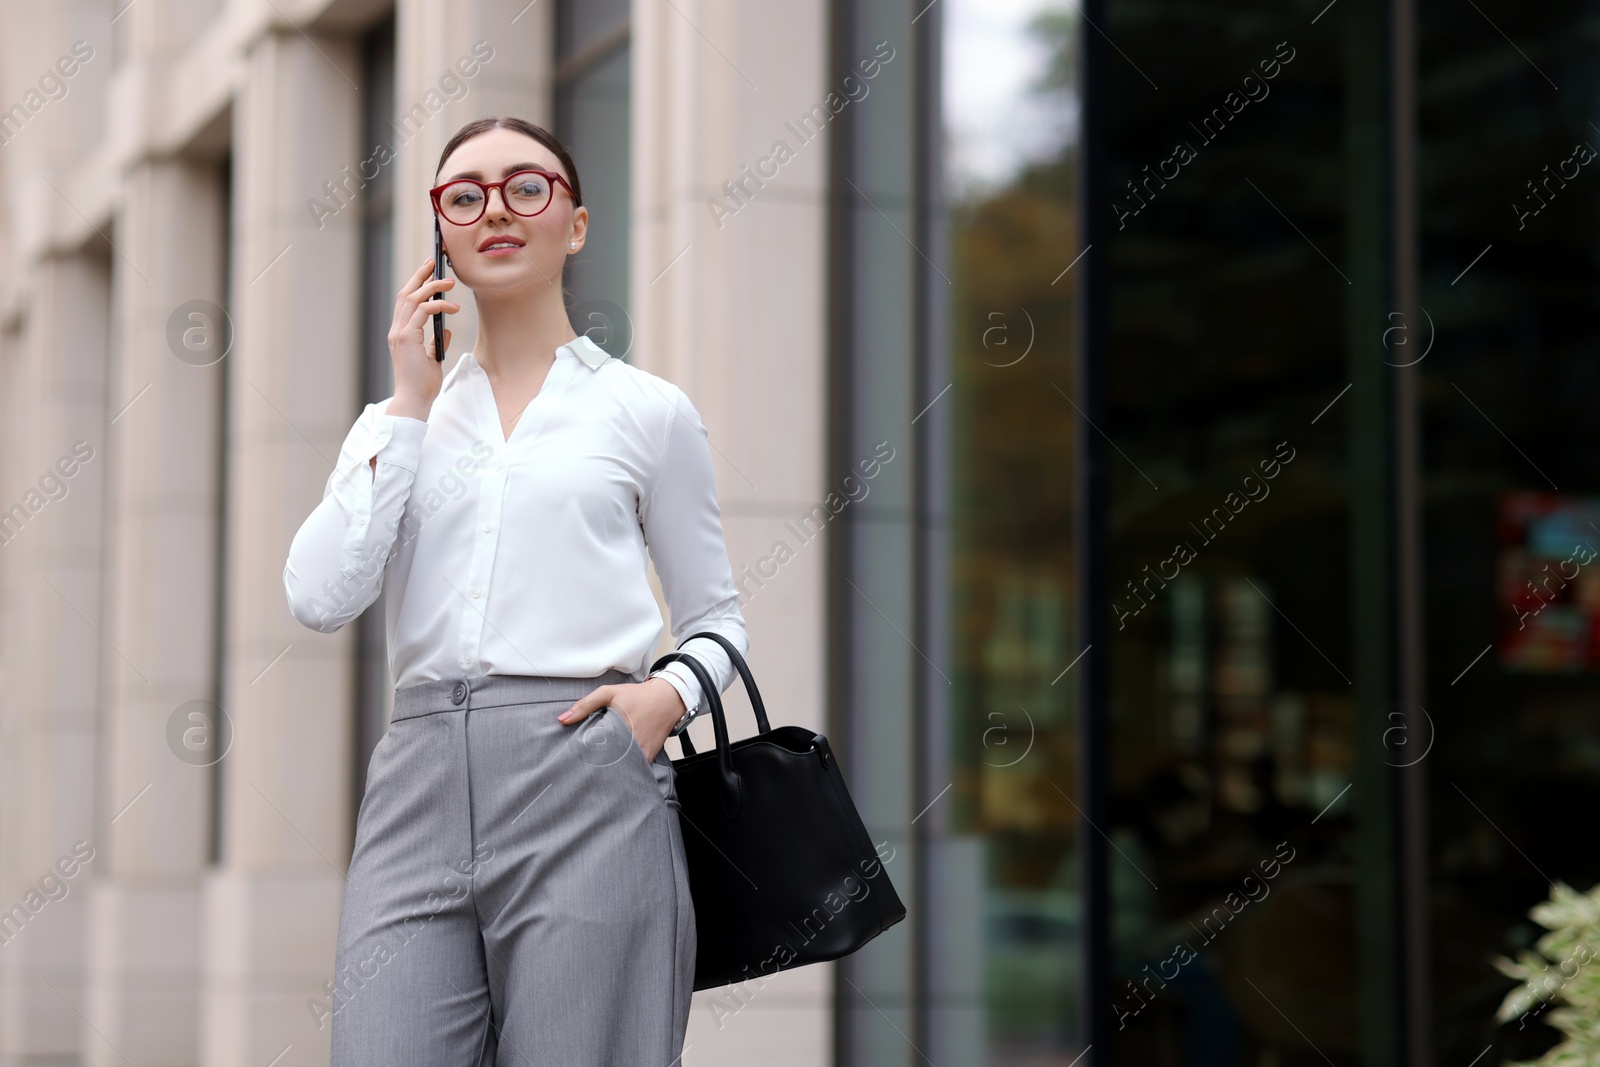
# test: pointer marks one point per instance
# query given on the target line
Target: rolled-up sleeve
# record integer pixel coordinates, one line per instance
(337, 558)
(683, 528)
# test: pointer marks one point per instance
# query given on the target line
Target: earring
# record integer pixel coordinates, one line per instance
(572, 244)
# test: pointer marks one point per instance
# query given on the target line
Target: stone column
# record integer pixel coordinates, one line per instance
(161, 605)
(57, 278)
(164, 460)
(272, 905)
(48, 729)
(728, 284)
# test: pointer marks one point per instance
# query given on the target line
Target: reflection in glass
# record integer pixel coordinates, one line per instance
(1009, 114)
(1236, 873)
(1507, 213)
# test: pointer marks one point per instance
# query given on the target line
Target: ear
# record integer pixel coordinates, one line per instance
(580, 225)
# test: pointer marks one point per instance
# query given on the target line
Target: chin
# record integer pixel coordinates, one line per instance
(502, 281)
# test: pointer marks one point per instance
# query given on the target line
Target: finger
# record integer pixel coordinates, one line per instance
(439, 303)
(428, 347)
(427, 310)
(419, 321)
(431, 288)
(594, 701)
(412, 293)
(416, 279)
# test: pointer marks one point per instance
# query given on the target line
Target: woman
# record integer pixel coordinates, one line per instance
(518, 893)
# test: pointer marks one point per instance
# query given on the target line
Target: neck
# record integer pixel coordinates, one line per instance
(519, 330)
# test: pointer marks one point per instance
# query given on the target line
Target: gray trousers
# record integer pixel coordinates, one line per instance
(518, 894)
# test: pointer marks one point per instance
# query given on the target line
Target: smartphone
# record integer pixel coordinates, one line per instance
(438, 272)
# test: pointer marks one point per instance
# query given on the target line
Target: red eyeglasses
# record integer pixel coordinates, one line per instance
(526, 193)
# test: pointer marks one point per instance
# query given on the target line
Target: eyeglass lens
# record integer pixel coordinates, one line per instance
(462, 202)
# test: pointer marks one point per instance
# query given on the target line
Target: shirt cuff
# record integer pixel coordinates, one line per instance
(402, 440)
(688, 690)
(397, 441)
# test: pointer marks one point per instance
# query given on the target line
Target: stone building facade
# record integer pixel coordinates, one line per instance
(183, 346)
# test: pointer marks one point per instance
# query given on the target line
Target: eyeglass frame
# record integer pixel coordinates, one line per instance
(551, 176)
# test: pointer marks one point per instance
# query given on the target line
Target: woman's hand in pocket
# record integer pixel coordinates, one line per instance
(651, 709)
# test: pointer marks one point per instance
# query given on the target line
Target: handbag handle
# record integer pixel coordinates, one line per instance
(762, 726)
(756, 703)
(732, 785)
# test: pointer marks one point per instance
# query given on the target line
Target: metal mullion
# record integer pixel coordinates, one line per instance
(1411, 661)
(841, 554)
(1090, 547)
(925, 727)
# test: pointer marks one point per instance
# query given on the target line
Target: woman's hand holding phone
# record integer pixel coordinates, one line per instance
(417, 373)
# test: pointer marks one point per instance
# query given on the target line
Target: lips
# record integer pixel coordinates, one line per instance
(502, 240)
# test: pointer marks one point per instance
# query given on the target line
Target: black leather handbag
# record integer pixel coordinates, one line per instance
(780, 865)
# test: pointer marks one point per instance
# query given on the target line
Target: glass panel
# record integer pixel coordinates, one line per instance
(592, 114)
(1508, 280)
(580, 24)
(879, 643)
(374, 687)
(1252, 894)
(1005, 942)
(224, 431)
(377, 211)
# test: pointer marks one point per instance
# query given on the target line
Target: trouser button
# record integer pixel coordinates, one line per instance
(459, 693)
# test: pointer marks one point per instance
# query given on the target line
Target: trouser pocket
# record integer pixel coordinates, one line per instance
(659, 770)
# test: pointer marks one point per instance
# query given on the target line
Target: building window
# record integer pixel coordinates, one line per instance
(1247, 542)
(1330, 581)
(593, 82)
(219, 651)
(374, 687)
(1003, 860)
(890, 680)
(955, 324)
(1511, 494)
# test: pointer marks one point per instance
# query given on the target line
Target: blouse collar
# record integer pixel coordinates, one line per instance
(586, 350)
(589, 354)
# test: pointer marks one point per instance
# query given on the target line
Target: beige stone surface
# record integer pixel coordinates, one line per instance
(111, 217)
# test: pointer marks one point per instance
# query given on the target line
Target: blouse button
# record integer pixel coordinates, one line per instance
(488, 527)
(477, 594)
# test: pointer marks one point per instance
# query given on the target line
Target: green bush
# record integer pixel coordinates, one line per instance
(1560, 978)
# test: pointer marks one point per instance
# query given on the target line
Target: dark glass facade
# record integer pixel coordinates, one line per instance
(1511, 472)
(1249, 515)
(593, 119)
(374, 691)
(1218, 648)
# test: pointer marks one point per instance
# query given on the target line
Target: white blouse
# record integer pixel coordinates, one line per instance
(527, 555)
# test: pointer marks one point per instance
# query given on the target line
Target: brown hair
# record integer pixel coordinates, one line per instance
(538, 133)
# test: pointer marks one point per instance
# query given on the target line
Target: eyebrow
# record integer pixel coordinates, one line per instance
(510, 169)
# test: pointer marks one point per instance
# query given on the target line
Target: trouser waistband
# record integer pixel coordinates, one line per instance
(494, 691)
